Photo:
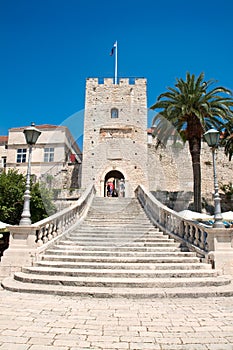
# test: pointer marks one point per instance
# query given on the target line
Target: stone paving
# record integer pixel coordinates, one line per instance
(45, 322)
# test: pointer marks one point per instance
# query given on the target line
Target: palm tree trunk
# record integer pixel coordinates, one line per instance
(195, 149)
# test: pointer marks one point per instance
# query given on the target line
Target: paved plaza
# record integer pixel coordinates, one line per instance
(44, 322)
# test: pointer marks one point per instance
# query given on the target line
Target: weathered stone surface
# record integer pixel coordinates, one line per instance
(115, 143)
(116, 251)
(174, 324)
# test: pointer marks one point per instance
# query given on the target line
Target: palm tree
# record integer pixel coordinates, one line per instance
(227, 139)
(191, 109)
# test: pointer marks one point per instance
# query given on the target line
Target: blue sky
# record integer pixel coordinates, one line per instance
(49, 48)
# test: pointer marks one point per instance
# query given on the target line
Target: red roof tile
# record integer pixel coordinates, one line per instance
(3, 139)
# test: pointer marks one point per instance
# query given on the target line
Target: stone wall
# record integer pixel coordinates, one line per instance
(170, 170)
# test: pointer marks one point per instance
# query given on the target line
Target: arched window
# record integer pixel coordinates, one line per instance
(114, 113)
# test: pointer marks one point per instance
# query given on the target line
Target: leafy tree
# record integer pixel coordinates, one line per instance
(190, 109)
(41, 202)
(12, 188)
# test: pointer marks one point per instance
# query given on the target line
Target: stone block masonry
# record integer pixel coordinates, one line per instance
(72, 323)
(170, 169)
(115, 133)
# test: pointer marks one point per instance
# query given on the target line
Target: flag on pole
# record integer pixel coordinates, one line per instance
(113, 49)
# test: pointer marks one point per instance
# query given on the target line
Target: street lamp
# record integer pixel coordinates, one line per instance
(212, 138)
(31, 135)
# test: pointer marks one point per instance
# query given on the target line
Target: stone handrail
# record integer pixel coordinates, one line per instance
(189, 233)
(28, 242)
(52, 227)
(213, 245)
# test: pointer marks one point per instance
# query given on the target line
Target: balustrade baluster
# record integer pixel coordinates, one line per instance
(45, 235)
(40, 237)
(203, 240)
(50, 232)
(181, 229)
(186, 235)
(196, 237)
(191, 234)
(55, 229)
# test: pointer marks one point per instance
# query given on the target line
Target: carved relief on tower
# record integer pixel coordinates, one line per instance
(116, 132)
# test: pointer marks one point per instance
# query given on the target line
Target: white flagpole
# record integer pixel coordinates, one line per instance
(115, 80)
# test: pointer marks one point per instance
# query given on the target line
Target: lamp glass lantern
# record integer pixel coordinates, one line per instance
(212, 137)
(31, 134)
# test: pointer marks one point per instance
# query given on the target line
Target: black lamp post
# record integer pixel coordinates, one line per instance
(31, 135)
(212, 138)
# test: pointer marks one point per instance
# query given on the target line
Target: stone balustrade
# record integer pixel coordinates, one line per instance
(55, 225)
(28, 242)
(211, 244)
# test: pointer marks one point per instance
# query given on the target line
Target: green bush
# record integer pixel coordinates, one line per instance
(12, 188)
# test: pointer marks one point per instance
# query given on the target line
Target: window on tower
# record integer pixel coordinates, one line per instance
(114, 113)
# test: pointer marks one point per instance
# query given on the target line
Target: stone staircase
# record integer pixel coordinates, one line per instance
(117, 252)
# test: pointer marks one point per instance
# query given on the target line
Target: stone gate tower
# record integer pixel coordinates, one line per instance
(115, 135)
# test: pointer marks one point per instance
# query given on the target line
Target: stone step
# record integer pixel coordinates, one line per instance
(146, 234)
(97, 248)
(130, 245)
(136, 238)
(120, 282)
(226, 290)
(137, 228)
(119, 259)
(113, 206)
(119, 216)
(126, 265)
(125, 210)
(115, 229)
(117, 253)
(128, 234)
(113, 216)
(119, 273)
(128, 242)
(113, 202)
(117, 234)
(117, 225)
(76, 241)
(121, 230)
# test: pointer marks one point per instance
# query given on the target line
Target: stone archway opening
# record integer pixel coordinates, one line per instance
(114, 184)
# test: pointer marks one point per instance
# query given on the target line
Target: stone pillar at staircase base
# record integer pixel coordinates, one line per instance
(220, 244)
(21, 251)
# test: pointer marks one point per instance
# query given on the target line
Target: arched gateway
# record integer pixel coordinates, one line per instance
(115, 135)
(116, 180)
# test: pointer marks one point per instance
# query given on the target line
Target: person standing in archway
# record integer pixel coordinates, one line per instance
(108, 189)
(111, 185)
(122, 188)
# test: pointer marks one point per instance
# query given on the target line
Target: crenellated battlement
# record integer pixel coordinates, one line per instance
(120, 82)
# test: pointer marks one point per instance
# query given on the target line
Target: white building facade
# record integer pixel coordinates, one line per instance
(52, 155)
